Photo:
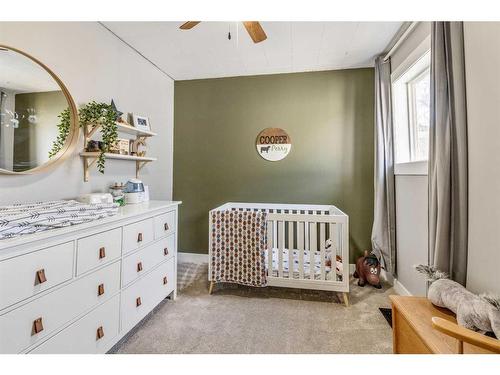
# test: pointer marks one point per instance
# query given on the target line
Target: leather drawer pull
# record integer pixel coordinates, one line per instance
(139, 267)
(138, 302)
(165, 251)
(40, 276)
(37, 326)
(100, 290)
(100, 333)
(165, 280)
(102, 252)
(165, 226)
(139, 237)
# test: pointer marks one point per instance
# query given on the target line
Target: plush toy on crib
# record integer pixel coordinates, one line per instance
(473, 311)
(368, 270)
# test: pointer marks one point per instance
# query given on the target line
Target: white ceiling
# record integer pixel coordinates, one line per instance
(206, 52)
(21, 74)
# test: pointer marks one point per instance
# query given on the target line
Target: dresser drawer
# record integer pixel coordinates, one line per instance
(144, 260)
(164, 224)
(27, 275)
(28, 324)
(98, 249)
(137, 235)
(142, 296)
(89, 335)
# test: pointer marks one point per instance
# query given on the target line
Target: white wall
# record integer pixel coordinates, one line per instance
(482, 62)
(411, 188)
(95, 65)
(411, 231)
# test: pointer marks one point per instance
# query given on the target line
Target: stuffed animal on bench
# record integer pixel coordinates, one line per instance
(472, 311)
(368, 270)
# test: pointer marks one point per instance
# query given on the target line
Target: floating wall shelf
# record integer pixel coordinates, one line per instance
(124, 128)
(90, 158)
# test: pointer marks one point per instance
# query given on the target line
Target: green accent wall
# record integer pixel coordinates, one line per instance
(330, 119)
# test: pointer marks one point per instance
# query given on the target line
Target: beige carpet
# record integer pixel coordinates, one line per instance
(238, 319)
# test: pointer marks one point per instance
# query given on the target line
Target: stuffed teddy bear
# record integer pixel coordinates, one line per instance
(368, 270)
(472, 311)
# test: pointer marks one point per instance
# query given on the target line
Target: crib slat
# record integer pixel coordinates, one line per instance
(275, 234)
(300, 247)
(270, 246)
(281, 243)
(312, 249)
(290, 250)
(334, 235)
(307, 243)
(322, 250)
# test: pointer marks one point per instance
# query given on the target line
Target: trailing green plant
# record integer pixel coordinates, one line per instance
(103, 115)
(63, 128)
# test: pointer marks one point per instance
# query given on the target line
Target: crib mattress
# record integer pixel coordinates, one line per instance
(307, 265)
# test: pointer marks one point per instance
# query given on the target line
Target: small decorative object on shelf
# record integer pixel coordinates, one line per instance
(138, 147)
(121, 146)
(93, 146)
(141, 122)
(119, 114)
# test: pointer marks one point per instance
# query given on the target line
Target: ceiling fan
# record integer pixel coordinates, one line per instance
(254, 29)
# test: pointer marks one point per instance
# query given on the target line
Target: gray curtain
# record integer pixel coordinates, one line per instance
(448, 211)
(384, 218)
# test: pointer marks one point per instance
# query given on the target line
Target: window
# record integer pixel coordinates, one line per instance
(411, 101)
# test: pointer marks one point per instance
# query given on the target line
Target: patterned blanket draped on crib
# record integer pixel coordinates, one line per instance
(238, 246)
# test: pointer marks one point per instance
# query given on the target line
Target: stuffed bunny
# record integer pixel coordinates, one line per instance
(473, 312)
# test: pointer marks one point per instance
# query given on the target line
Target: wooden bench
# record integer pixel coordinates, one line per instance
(419, 327)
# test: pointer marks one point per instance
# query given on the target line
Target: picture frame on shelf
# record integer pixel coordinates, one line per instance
(141, 122)
(121, 146)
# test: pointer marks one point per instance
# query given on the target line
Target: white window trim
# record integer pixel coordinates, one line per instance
(418, 167)
(412, 58)
(412, 126)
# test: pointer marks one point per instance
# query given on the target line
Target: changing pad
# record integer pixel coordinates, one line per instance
(21, 219)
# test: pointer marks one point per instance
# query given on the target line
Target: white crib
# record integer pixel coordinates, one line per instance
(312, 238)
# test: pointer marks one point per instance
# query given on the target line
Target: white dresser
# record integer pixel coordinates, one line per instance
(81, 289)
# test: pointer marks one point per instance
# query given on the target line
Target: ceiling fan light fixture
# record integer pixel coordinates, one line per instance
(254, 29)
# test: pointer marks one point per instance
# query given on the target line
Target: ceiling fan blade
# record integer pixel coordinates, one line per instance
(255, 31)
(189, 25)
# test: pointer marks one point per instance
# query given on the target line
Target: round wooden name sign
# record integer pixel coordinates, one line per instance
(273, 144)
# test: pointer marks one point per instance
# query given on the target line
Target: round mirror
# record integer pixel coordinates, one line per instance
(38, 118)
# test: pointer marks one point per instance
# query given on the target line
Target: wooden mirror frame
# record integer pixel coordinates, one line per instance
(74, 129)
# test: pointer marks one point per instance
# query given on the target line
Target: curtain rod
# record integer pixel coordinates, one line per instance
(400, 40)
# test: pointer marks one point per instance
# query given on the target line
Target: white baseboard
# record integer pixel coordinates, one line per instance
(386, 276)
(192, 258)
(400, 288)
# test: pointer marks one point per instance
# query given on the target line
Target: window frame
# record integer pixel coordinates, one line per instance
(402, 110)
(412, 112)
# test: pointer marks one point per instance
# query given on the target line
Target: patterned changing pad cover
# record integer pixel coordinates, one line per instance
(21, 219)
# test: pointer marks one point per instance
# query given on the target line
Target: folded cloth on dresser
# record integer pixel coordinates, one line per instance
(238, 246)
(20, 219)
